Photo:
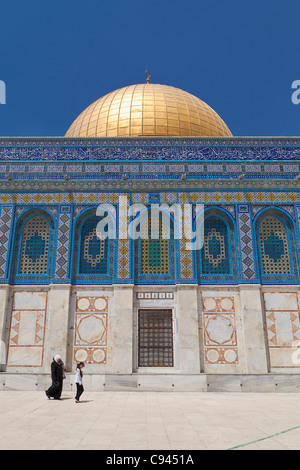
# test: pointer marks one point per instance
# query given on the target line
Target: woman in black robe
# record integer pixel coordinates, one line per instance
(57, 374)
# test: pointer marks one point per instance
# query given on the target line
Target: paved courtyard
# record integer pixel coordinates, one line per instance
(150, 420)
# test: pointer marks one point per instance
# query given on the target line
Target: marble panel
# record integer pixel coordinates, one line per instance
(220, 329)
(283, 328)
(90, 342)
(286, 383)
(121, 382)
(223, 383)
(221, 355)
(19, 382)
(257, 383)
(218, 304)
(253, 383)
(22, 356)
(30, 300)
(27, 330)
(282, 357)
(220, 337)
(56, 338)
(281, 300)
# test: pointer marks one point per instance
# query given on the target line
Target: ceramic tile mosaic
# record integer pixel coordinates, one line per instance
(246, 246)
(226, 175)
(63, 243)
(155, 295)
(5, 229)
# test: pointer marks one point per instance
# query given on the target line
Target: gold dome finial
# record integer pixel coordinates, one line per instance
(148, 76)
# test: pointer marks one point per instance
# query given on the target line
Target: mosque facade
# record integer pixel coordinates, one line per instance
(143, 307)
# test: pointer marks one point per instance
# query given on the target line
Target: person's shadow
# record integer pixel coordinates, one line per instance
(72, 398)
(63, 398)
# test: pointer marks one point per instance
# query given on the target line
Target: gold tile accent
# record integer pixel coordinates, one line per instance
(5, 198)
(48, 198)
(293, 197)
(239, 197)
(186, 273)
(123, 273)
(228, 197)
(38, 198)
(59, 198)
(271, 197)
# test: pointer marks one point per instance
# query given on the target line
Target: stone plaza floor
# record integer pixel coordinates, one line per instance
(150, 421)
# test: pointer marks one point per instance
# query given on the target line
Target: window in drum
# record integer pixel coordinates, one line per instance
(155, 342)
(274, 246)
(34, 248)
(93, 250)
(215, 257)
(155, 251)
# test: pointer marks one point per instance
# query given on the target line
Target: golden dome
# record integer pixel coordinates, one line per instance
(148, 110)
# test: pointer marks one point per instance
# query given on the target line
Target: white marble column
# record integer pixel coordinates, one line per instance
(121, 319)
(56, 335)
(253, 326)
(4, 294)
(188, 330)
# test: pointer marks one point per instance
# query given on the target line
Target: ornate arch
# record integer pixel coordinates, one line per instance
(217, 259)
(32, 247)
(154, 249)
(93, 254)
(276, 246)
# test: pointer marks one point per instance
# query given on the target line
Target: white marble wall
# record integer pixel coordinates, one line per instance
(251, 311)
(222, 333)
(4, 315)
(56, 335)
(100, 329)
(27, 329)
(188, 330)
(283, 329)
(216, 330)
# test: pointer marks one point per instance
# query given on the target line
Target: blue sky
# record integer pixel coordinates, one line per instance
(239, 56)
